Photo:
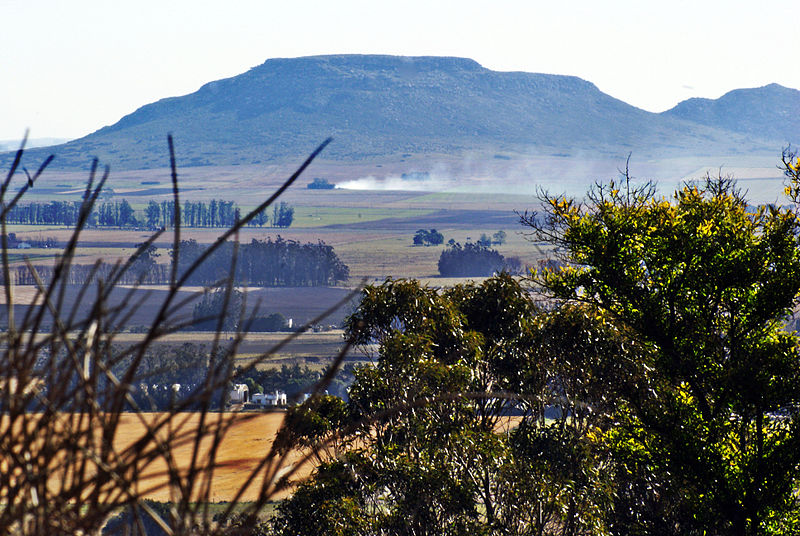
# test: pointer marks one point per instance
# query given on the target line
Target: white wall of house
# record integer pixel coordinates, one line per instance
(239, 394)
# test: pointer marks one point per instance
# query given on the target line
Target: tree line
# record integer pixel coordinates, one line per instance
(215, 213)
(264, 263)
(170, 373)
(474, 260)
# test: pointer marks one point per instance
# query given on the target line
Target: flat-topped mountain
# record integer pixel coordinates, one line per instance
(378, 106)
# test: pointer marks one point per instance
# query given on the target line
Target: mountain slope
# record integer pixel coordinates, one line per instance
(771, 111)
(376, 106)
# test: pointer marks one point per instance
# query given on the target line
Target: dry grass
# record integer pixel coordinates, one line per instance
(247, 442)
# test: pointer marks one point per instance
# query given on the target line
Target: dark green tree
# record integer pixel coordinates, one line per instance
(126, 216)
(425, 237)
(152, 214)
(470, 260)
(426, 425)
(282, 215)
(218, 310)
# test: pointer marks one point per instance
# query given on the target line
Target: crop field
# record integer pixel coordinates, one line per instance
(302, 305)
(370, 230)
(247, 441)
(379, 246)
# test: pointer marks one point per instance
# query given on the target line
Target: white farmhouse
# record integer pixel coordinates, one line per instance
(277, 398)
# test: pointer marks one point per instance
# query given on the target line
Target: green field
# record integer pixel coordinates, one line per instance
(371, 231)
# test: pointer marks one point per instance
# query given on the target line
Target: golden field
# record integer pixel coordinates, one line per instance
(246, 440)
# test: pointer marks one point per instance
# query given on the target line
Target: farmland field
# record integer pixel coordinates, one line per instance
(314, 348)
(300, 304)
(246, 442)
(370, 230)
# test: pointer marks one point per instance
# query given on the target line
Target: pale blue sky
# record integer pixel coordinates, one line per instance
(70, 67)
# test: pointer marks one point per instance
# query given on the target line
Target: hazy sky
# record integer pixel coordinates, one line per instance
(70, 67)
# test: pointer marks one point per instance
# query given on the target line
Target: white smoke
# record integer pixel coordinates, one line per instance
(570, 174)
(430, 183)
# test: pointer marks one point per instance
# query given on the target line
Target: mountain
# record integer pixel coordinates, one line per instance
(379, 106)
(771, 112)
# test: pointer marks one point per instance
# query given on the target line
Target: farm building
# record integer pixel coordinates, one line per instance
(239, 394)
(277, 398)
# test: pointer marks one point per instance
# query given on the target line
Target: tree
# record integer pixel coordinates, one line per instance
(705, 282)
(266, 263)
(152, 214)
(470, 260)
(423, 454)
(320, 184)
(499, 238)
(145, 262)
(428, 238)
(435, 238)
(253, 386)
(218, 310)
(126, 216)
(261, 219)
(271, 322)
(282, 215)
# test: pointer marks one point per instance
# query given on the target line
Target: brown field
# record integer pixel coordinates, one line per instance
(245, 444)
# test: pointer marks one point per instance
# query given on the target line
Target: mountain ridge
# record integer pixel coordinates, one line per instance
(745, 111)
(378, 105)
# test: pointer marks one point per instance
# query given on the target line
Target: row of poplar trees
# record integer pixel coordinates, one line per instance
(215, 213)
